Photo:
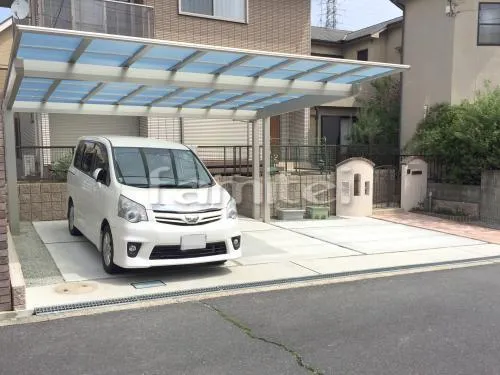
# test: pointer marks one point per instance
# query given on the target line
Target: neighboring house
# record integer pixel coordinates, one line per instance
(381, 42)
(248, 24)
(453, 48)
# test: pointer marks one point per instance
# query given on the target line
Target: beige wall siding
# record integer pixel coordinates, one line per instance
(5, 46)
(273, 25)
(472, 64)
(227, 133)
(66, 129)
(428, 48)
(326, 49)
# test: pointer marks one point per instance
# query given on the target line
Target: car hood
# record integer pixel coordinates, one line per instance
(178, 200)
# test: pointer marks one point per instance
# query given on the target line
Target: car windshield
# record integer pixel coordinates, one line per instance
(157, 167)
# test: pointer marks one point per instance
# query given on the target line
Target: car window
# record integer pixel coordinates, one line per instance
(129, 166)
(79, 154)
(157, 167)
(88, 158)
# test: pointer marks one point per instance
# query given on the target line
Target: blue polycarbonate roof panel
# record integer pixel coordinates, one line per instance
(155, 64)
(201, 68)
(39, 44)
(222, 58)
(264, 62)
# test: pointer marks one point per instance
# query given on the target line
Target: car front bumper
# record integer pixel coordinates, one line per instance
(167, 238)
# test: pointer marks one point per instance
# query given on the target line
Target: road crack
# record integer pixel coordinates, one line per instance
(249, 332)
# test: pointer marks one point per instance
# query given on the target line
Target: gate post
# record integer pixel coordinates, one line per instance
(413, 183)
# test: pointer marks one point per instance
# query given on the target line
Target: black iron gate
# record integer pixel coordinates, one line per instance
(387, 186)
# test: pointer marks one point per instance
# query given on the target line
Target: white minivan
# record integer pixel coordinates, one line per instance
(147, 203)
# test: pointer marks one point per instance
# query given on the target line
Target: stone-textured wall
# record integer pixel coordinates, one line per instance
(5, 289)
(287, 191)
(42, 201)
(490, 196)
(457, 193)
(461, 199)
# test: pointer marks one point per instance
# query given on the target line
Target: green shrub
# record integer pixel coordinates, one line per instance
(465, 138)
(61, 166)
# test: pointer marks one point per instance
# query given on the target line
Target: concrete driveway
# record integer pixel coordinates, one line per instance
(279, 250)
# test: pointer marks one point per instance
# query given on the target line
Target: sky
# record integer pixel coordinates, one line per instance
(353, 14)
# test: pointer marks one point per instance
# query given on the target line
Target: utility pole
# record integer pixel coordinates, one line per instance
(328, 15)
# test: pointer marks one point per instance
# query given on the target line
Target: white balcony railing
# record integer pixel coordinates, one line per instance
(102, 16)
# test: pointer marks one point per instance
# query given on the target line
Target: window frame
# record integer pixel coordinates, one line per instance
(364, 50)
(104, 151)
(479, 24)
(200, 15)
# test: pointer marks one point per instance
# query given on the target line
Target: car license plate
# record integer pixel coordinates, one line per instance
(193, 241)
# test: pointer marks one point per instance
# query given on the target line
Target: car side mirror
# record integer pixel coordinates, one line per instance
(99, 175)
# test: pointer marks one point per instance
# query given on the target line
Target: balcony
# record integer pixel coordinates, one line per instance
(100, 16)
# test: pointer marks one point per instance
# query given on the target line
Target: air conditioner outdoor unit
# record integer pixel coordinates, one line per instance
(29, 164)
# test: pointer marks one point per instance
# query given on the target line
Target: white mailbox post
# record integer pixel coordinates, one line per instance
(355, 187)
(413, 183)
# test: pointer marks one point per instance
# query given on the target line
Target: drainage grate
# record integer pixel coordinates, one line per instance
(182, 293)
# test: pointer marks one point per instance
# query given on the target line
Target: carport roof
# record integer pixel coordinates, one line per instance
(66, 71)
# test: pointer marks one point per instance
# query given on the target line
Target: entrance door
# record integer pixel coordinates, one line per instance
(275, 130)
(330, 129)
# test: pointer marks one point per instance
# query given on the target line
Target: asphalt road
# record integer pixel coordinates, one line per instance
(445, 322)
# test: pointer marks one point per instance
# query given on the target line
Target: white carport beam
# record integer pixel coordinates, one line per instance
(159, 78)
(235, 63)
(137, 56)
(266, 170)
(15, 78)
(51, 90)
(229, 100)
(261, 100)
(92, 92)
(82, 47)
(167, 96)
(275, 67)
(181, 64)
(137, 91)
(312, 70)
(200, 98)
(131, 110)
(296, 105)
(348, 73)
(11, 171)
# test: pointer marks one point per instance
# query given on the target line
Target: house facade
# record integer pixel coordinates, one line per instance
(453, 48)
(248, 24)
(381, 42)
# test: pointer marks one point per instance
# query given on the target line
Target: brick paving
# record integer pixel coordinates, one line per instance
(441, 225)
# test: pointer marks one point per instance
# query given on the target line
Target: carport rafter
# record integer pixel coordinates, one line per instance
(158, 78)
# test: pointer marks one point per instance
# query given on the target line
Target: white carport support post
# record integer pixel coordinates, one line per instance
(255, 172)
(11, 171)
(266, 169)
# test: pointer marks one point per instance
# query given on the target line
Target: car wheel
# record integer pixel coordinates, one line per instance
(107, 252)
(71, 221)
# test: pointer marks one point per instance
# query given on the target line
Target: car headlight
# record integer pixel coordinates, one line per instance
(232, 212)
(131, 211)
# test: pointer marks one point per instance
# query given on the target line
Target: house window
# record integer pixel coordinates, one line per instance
(363, 55)
(229, 10)
(489, 24)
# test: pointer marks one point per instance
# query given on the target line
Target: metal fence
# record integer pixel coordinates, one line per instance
(227, 160)
(43, 163)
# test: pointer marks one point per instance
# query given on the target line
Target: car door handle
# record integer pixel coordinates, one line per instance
(73, 173)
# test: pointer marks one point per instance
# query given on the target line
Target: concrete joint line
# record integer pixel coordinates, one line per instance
(248, 331)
